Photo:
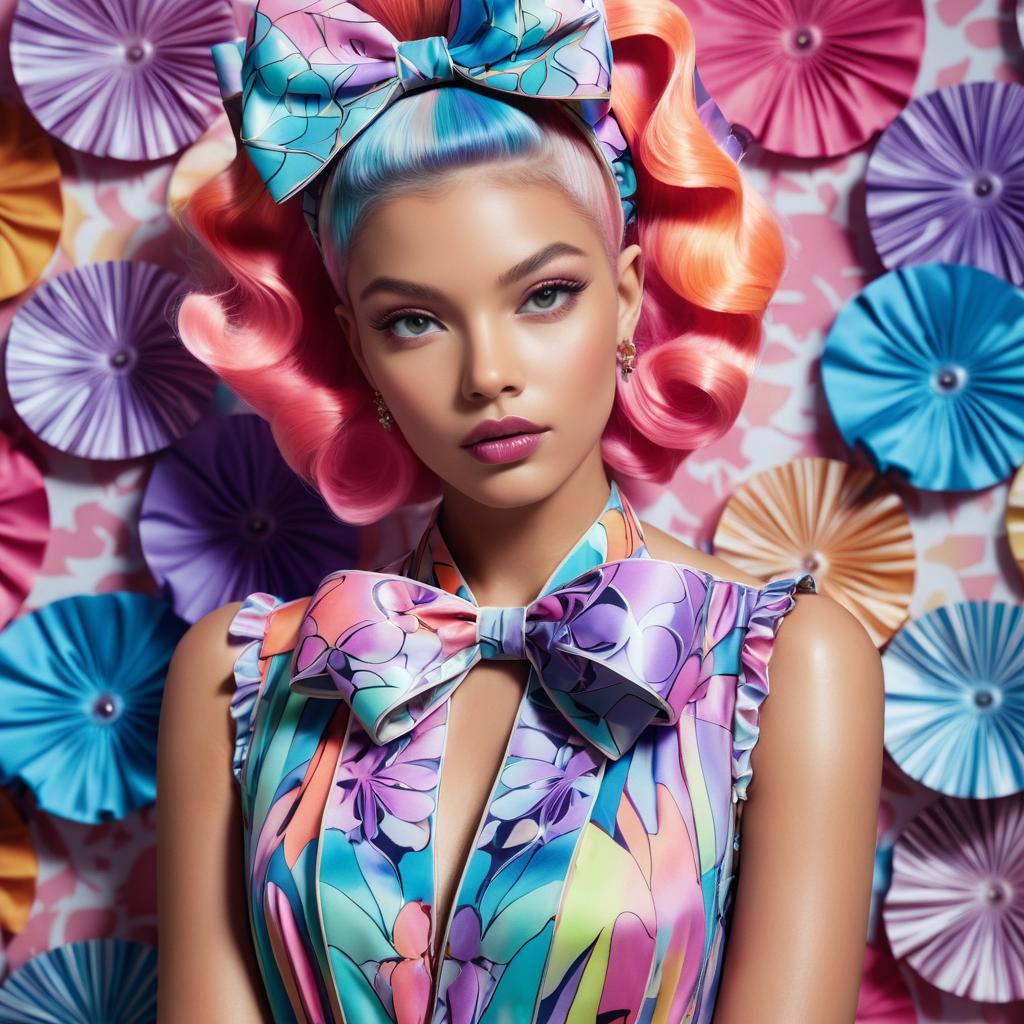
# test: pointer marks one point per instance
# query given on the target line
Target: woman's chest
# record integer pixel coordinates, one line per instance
(490, 865)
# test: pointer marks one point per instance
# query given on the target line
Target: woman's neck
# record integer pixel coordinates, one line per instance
(507, 554)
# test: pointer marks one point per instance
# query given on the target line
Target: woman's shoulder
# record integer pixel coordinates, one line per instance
(664, 546)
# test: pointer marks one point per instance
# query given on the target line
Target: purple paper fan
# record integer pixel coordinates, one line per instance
(945, 184)
(955, 908)
(94, 367)
(224, 516)
(128, 80)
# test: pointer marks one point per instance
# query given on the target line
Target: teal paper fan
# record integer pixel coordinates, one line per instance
(954, 699)
(924, 369)
(81, 683)
(99, 981)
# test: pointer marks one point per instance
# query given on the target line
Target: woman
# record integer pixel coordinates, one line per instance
(501, 778)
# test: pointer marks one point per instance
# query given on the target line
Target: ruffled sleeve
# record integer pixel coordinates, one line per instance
(250, 624)
(771, 604)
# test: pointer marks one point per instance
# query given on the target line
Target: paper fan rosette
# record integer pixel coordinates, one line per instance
(924, 369)
(31, 206)
(1015, 518)
(945, 183)
(843, 524)
(19, 867)
(954, 699)
(200, 162)
(81, 682)
(809, 78)
(24, 527)
(133, 81)
(224, 516)
(94, 367)
(98, 981)
(955, 909)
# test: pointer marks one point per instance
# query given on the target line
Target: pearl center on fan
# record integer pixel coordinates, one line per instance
(106, 707)
(136, 51)
(948, 379)
(258, 525)
(812, 562)
(803, 40)
(985, 186)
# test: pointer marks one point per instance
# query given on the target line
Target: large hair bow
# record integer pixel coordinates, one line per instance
(616, 649)
(315, 73)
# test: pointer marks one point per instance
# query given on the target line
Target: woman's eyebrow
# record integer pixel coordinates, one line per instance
(510, 276)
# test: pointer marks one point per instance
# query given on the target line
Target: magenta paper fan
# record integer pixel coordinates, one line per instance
(129, 80)
(94, 367)
(224, 516)
(945, 183)
(809, 78)
(24, 527)
(955, 908)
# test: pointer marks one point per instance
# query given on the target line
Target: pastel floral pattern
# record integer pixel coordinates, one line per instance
(598, 885)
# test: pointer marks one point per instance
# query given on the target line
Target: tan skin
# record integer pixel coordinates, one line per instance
(524, 347)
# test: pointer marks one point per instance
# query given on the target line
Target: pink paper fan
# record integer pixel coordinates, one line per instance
(809, 78)
(955, 908)
(134, 81)
(24, 527)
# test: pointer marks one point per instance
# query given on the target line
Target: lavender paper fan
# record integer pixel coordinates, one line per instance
(97, 981)
(224, 516)
(954, 699)
(955, 908)
(945, 183)
(128, 80)
(94, 367)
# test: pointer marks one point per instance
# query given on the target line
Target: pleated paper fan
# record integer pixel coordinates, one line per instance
(98, 981)
(810, 78)
(845, 525)
(954, 699)
(94, 367)
(924, 369)
(81, 681)
(224, 516)
(24, 527)
(200, 162)
(133, 81)
(19, 867)
(945, 184)
(1015, 518)
(31, 207)
(955, 909)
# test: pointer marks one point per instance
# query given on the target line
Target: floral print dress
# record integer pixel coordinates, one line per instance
(596, 889)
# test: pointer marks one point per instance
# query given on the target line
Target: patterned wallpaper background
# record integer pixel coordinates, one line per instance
(98, 880)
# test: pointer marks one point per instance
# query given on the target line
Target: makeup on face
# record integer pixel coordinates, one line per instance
(506, 440)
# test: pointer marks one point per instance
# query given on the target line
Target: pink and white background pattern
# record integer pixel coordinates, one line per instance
(99, 881)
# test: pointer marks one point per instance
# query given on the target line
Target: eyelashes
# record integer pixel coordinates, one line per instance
(571, 287)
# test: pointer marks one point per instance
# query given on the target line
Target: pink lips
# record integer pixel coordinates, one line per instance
(487, 444)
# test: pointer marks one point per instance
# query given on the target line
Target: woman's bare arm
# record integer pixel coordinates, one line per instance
(807, 835)
(207, 967)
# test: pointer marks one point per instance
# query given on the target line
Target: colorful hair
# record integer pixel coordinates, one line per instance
(713, 258)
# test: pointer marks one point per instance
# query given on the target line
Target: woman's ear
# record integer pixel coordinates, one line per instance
(351, 332)
(631, 289)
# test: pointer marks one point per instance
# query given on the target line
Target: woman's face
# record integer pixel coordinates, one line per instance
(486, 300)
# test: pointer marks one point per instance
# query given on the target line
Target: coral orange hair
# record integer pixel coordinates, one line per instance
(713, 259)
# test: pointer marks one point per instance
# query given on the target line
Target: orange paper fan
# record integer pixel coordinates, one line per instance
(31, 207)
(844, 525)
(18, 868)
(1015, 515)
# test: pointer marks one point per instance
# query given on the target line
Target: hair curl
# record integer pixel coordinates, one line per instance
(713, 259)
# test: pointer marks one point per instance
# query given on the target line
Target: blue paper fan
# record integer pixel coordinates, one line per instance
(99, 981)
(81, 682)
(954, 699)
(925, 369)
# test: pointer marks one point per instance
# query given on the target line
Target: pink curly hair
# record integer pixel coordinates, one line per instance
(713, 259)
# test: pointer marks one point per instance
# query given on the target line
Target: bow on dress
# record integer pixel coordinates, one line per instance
(315, 73)
(616, 649)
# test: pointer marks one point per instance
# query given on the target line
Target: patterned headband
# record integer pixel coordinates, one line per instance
(314, 73)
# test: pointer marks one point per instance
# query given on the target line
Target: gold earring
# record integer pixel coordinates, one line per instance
(627, 352)
(383, 413)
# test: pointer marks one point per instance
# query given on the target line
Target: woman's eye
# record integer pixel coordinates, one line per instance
(418, 325)
(547, 297)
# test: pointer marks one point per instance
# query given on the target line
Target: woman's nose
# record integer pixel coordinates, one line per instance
(491, 362)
